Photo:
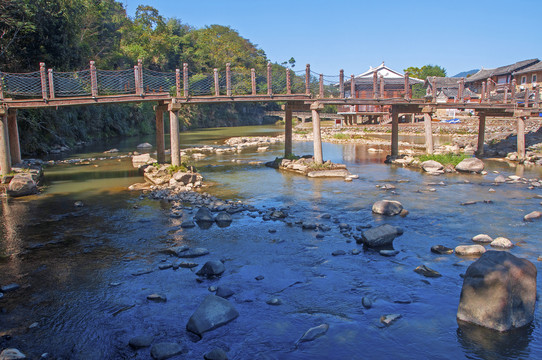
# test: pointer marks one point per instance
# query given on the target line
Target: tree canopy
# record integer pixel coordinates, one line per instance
(426, 71)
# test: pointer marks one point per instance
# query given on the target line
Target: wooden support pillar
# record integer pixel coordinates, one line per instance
(481, 133)
(461, 89)
(435, 89)
(413, 118)
(513, 90)
(352, 87)
(316, 133)
(382, 85)
(5, 157)
(394, 131)
(483, 90)
(140, 71)
(288, 130)
(13, 131)
(407, 85)
(428, 133)
(521, 137)
(160, 146)
(537, 97)
(174, 137)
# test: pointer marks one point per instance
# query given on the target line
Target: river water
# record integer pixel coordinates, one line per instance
(79, 298)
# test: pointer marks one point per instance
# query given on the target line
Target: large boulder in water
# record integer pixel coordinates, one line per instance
(22, 185)
(470, 165)
(387, 207)
(140, 160)
(380, 236)
(204, 215)
(432, 166)
(499, 292)
(213, 312)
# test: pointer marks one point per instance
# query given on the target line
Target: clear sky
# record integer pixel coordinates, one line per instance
(330, 35)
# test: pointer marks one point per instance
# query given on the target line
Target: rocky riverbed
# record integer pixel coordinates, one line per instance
(288, 261)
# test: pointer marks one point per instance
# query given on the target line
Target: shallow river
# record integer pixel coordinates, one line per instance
(75, 265)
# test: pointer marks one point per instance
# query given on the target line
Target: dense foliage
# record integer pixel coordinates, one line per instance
(423, 73)
(67, 34)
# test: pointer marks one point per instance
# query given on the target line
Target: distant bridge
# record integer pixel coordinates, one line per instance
(301, 91)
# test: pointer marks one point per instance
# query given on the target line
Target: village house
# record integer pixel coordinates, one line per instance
(500, 77)
(528, 77)
(386, 82)
(447, 90)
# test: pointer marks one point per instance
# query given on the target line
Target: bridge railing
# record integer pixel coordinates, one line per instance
(275, 80)
(50, 84)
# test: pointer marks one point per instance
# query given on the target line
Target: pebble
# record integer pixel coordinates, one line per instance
(157, 298)
(388, 319)
(141, 341)
(216, 354)
(319, 236)
(10, 287)
(274, 301)
(11, 354)
(162, 351)
(165, 266)
(186, 265)
(441, 250)
(259, 277)
(212, 288)
(366, 302)
(272, 231)
(355, 251)
(314, 333)
(224, 292)
(427, 272)
(338, 253)
(470, 250)
(388, 253)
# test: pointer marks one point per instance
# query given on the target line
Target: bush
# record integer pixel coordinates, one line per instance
(444, 159)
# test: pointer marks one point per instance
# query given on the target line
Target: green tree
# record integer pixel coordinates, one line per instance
(425, 71)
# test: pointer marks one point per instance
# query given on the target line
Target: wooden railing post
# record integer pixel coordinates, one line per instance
(488, 89)
(93, 80)
(253, 80)
(321, 87)
(434, 89)
(269, 80)
(352, 87)
(375, 78)
(288, 82)
(526, 98)
(177, 82)
(382, 87)
(228, 79)
(513, 90)
(536, 96)
(483, 91)
(308, 79)
(51, 84)
(341, 84)
(217, 85)
(407, 85)
(461, 89)
(185, 80)
(43, 77)
(505, 98)
(136, 80)
(140, 71)
(1, 86)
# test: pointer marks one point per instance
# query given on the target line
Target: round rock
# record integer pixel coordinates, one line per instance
(482, 238)
(502, 242)
(216, 354)
(470, 250)
(387, 207)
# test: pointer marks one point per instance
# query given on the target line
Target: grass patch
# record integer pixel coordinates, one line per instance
(301, 132)
(444, 159)
(341, 136)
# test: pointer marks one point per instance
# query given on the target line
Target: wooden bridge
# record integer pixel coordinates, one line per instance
(300, 91)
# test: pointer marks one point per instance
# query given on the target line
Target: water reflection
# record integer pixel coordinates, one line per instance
(485, 343)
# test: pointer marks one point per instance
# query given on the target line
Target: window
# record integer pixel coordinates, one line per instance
(524, 79)
(534, 79)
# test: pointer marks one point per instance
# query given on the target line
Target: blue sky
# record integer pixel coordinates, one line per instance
(458, 35)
